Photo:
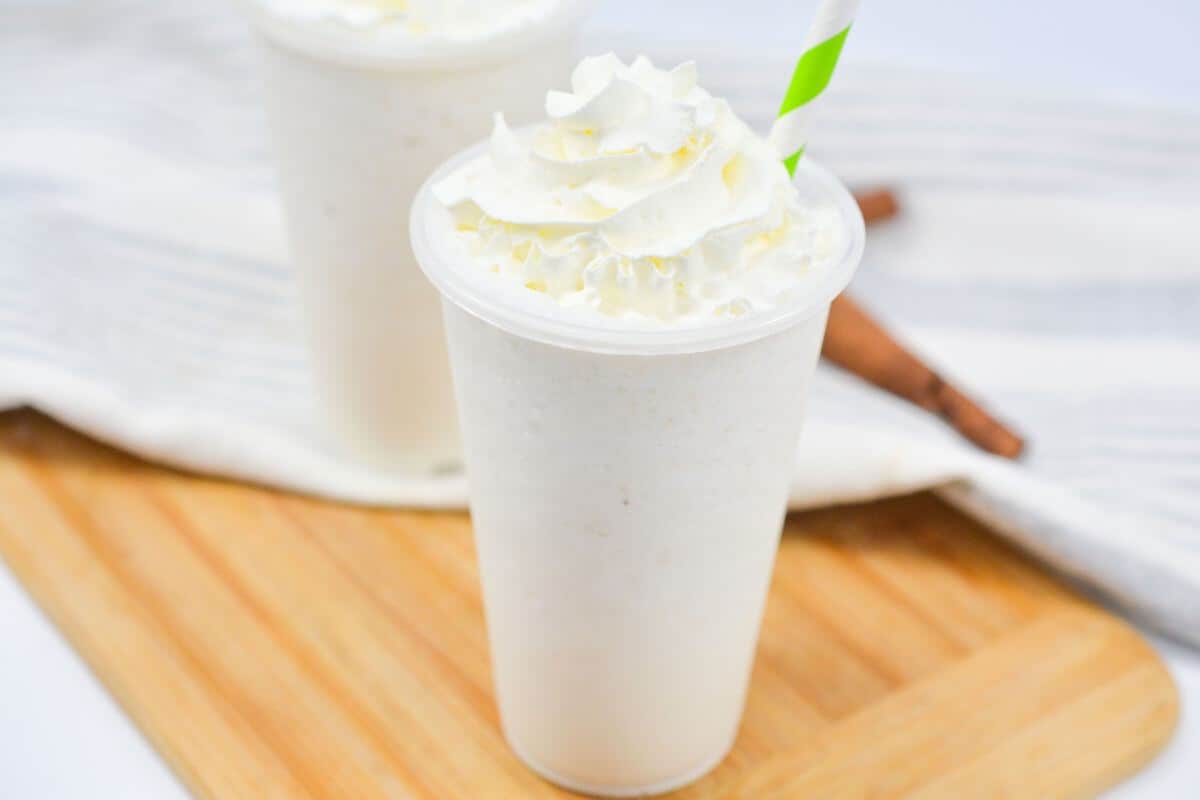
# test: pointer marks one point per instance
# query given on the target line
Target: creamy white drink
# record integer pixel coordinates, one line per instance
(635, 296)
(365, 98)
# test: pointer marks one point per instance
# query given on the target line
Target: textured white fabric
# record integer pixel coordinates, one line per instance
(1046, 259)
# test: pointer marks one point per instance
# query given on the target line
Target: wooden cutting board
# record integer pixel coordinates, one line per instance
(278, 646)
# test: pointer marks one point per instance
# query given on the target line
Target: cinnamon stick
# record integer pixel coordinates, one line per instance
(856, 342)
(877, 205)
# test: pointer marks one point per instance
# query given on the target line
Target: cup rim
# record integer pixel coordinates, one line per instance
(356, 49)
(536, 317)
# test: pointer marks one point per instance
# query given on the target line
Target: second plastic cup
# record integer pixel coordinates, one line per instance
(357, 124)
(628, 488)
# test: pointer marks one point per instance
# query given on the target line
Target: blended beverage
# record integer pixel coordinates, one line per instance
(365, 98)
(635, 295)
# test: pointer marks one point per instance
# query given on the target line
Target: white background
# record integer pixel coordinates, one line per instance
(62, 737)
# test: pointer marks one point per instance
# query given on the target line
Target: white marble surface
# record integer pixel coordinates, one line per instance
(62, 737)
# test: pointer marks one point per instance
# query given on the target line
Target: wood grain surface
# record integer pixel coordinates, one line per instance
(275, 646)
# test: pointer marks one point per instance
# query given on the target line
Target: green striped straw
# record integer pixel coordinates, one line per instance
(789, 134)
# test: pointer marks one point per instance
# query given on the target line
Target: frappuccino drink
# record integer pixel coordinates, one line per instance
(635, 294)
(365, 98)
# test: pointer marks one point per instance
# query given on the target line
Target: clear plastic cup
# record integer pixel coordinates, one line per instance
(628, 487)
(357, 124)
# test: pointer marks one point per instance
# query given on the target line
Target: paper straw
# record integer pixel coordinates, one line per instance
(822, 47)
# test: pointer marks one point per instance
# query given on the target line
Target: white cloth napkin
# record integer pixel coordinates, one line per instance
(1046, 258)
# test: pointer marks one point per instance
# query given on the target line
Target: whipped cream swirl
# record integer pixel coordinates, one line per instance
(449, 19)
(642, 196)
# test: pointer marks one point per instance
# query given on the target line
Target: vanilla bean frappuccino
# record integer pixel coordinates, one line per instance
(635, 295)
(365, 98)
